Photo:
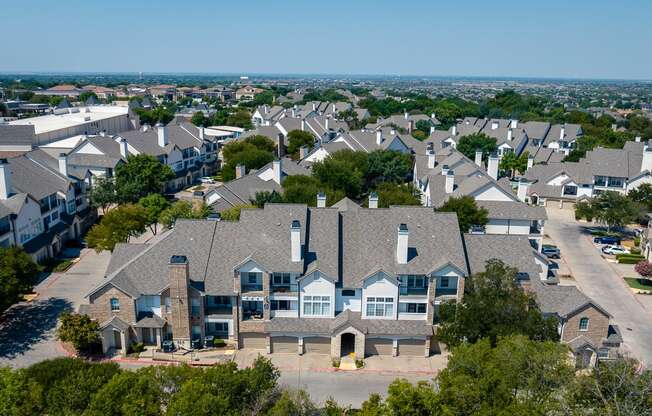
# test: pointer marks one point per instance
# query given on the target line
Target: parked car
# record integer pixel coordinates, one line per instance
(206, 179)
(607, 239)
(613, 249)
(550, 251)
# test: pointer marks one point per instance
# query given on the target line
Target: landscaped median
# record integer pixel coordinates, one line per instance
(629, 258)
(640, 285)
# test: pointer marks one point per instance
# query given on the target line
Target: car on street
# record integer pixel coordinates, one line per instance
(613, 249)
(607, 239)
(550, 251)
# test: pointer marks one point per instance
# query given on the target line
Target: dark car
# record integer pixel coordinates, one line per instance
(607, 239)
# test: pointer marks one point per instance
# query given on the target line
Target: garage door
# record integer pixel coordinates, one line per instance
(319, 345)
(414, 347)
(378, 346)
(285, 344)
(253, 340)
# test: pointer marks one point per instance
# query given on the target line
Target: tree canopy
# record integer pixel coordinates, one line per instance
(117, 226)
(253, 152)
(140, 176)
(468, 212)
(298, 139)
(18, 273)
(182, 209)
(468, 145)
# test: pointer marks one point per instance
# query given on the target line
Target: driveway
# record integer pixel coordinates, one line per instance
(600, 280)
(27, 330)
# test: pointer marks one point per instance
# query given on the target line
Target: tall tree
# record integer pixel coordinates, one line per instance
(102, 194)
(393, 194)
(140, 176)
(512, 163)
(80, 331)
(117, 226)
(494, 305)
(468, 212)
(182, 209)
(343, 170)
(298, 139)
(154, 205)
(614, 209)
(478, 141)
(18, 273)
(388, 166)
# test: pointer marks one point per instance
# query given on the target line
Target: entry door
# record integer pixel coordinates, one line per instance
(117, 340)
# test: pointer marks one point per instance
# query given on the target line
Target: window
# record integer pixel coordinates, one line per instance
(348, 292)
(281, 305)
(55, 215)
(168, 304)
(380, 307)
(316, 305)
(194, 307)
(115, 305)
(443, 282)
(252, 277)
(584, 324)
(217, 327)
(281, 279)
(196, 332)
(412, 308)
(72, 205)
(603, 353)
(570, 190)
(615, 182)
(414, 281)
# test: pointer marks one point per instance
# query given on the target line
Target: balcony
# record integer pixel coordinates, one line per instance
(445, 291)
(289, 289)
(414, 291)
(535, 229)
(249, 287)
(218, 310)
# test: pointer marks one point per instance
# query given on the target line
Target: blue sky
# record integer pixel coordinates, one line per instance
(570, 38)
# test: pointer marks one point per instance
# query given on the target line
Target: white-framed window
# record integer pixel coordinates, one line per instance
(115, 304)
(380, 307)
(414, 281)
(281, 279)
(252, 277)
(281, 305)
(194, 306)
(412, 307)
(603, 353)
(217, 327)
(584, 324)
(444, 282)
(168, 304)
(72, 206)
(196, 331)
(316, 305)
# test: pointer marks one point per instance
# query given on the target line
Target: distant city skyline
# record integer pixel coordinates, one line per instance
(499, 39)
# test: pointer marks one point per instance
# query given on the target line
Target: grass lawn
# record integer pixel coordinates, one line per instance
(640, 284)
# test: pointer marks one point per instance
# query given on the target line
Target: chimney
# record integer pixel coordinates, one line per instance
(646, 163)
(303, 125)
(478, 157)
(303, 152)
(402, 244)
(294, 112)
(514, 124)
(5, 179)
(124, 150)
(240, 171)
(410, 126)
(321, 200)
(444, 170)
(379, 137)
(180, 299)
(530, 161)
(637, 139)
(392, 132)
(314, 106)
(450, 182)
(334, 110)
(326, 124)
(295, 240)
(494, 125)
(63, 164)
(523, 188)
(562, 132)
(431, 159)
(280, 146)
(454, 130)
(432, 116)
(277, 169)
(432, 129)
(492, 167)
(510, 135)
(406, 115)
(162, 132)
(373, 200)
(201, 132)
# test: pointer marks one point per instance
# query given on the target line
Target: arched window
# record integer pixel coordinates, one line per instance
(115, 304)
(584, 324)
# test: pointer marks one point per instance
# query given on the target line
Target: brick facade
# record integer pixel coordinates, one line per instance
(598, 325)
(100, 305)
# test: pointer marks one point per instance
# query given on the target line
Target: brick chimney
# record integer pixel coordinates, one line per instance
(240, 171)
(180, 299)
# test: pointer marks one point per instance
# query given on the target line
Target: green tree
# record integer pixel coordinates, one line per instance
(477, 141)
(127, 393)
(80, 331)
(373, 406)
(198, 119)
(343, 170)
(265, 197)
(614, 209)
(301, 189)
(642, 195)
(388, 166)
(254, 152)
(393, 194)
(518, 376)
(494, 305)
(584, 209)
(293, 403)
(19, 395)
(140, 176)
(154, 205)
(182, 209)
(102, 194)
(468, 212)
(512, 163)
(423, 126)
(18, 273)
(241, 118)
(298, 139)
(117, 226)
(233, 213)
(86, 95)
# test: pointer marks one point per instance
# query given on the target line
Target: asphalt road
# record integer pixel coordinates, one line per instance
(599, 280)
(27, 330)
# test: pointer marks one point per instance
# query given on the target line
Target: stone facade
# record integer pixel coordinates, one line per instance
(180, 302)
(598, 325)
(100, 305)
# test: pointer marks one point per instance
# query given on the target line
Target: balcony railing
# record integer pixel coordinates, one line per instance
(252, 315)
(218, 310)
(535, 229)
(445, 291)
(248, 287)
(285, 288)
(414, 291)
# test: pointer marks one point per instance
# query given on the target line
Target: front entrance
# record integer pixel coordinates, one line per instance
(347, 344)
(117, 340)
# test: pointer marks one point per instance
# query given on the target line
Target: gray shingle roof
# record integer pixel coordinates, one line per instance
(513, 210)
(35, 179)
(16, 135)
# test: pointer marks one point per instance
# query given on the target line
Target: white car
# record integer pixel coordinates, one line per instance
(206, 179)
(611, 249)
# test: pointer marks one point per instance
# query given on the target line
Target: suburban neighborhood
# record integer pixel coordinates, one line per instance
(277, 243)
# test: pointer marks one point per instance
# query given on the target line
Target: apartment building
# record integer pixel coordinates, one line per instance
(405, 122)
(43, 203)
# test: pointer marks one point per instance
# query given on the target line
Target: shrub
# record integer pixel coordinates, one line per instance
(219, 343)
(137, 347)
(635, 250)
(335, 362)
(359, 363)
(629, 259)
(80, 331)
(637, 241)
(644, 268)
